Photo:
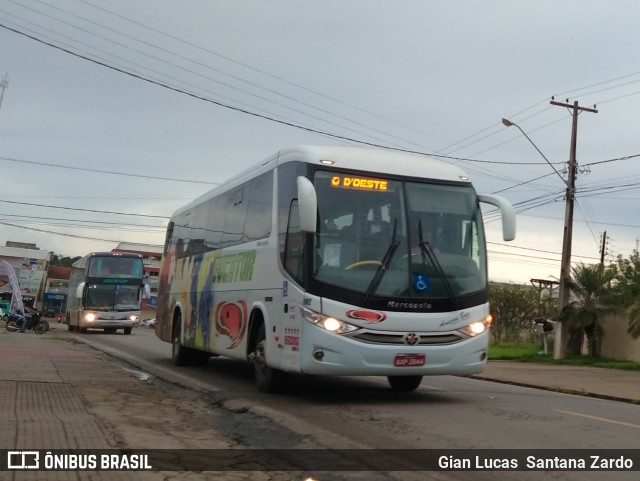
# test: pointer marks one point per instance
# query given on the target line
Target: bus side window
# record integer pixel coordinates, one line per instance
(294, 245)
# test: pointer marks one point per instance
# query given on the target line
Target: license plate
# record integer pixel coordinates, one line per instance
(409, 360)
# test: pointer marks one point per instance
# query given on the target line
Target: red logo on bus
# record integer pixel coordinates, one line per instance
(368, 316)
(231, 321)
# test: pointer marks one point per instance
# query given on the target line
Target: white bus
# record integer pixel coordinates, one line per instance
(332, 260)
(105, 290)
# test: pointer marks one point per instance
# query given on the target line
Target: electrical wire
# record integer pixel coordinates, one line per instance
(254, 114)
(77, 236)
(110, 172)
(84, 210)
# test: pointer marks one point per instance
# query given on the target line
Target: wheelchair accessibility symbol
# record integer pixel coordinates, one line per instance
(420, 283)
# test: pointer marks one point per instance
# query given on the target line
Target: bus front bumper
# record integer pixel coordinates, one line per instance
(97, 322)
(332, 354)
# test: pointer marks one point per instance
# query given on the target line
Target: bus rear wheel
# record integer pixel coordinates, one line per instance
(178, 351)
(268, 379)
(182, 355)
(404, 383)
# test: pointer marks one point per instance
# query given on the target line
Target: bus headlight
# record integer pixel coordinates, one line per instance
(133, 318)
(478, 327)
(90, 317)
(328, 323)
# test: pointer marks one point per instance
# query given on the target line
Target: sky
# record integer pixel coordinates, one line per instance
(116, 113)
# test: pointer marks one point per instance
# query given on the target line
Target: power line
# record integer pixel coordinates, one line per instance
(74, 235)
(254, 114)
(85, 210)
(83, 221)
(111, 172)
(262, 72)
(92, 33)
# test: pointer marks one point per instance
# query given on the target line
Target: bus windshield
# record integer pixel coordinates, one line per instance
(110, 297)
(121, 267)
(398, 239)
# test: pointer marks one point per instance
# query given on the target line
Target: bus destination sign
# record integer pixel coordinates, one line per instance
(360, 183)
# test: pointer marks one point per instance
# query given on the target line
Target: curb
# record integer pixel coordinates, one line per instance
(559, 390)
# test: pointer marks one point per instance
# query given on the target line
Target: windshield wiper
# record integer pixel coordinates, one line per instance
(384, 265)
(427, 251)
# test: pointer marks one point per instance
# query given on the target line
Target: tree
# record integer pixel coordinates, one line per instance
(513, 308)
(595, 298)
(627, 279)
(56, 260)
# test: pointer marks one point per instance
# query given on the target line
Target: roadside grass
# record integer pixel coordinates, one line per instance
(530, 352)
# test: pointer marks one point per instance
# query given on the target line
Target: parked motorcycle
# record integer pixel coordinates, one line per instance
(34, 322)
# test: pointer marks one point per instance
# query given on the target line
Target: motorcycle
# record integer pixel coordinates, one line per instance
(34, 322)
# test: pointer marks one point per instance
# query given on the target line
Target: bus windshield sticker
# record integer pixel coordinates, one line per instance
(420, 283)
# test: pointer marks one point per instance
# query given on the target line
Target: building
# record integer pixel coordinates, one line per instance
(30, 265)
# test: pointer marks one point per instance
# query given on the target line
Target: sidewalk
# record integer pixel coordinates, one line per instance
(57, 394)
(614, 384)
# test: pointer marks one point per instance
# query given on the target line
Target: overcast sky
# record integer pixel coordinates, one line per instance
(433, 77)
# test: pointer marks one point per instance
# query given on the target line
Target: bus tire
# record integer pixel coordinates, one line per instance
(127, 330)
(268, 379)
(182, 355)
(178, 351)
(404, 383)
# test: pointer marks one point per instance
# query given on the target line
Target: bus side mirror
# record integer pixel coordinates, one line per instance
(508, 214)
(80, 290)
(307, 205)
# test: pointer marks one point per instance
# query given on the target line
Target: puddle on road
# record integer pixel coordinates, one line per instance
(143, 376)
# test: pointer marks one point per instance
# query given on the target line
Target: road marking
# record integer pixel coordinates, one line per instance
(433, 388)
(596, 418)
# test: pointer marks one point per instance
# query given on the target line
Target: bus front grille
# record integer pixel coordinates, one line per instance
(400, 338)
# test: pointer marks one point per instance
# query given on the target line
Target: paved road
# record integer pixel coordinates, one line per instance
(129, 404)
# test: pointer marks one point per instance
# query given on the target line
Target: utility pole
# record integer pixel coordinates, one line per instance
(560, 345)
(4, 83)
(603, 247)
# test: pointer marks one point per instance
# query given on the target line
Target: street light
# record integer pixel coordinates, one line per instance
(563, 295)
(509, 123)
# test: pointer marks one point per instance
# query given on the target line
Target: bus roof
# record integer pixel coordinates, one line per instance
(375, 161)
(82, 262)
(368, 160)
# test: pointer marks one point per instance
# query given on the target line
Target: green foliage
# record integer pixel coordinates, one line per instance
(627, 277)
(57, 260)
(517, 352)
(513, 308)
(595, 298)
(531, 353)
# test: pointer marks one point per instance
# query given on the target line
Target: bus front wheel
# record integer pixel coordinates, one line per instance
(268, 379)
(404, 383)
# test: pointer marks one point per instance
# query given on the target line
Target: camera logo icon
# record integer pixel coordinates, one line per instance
(23, 460)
